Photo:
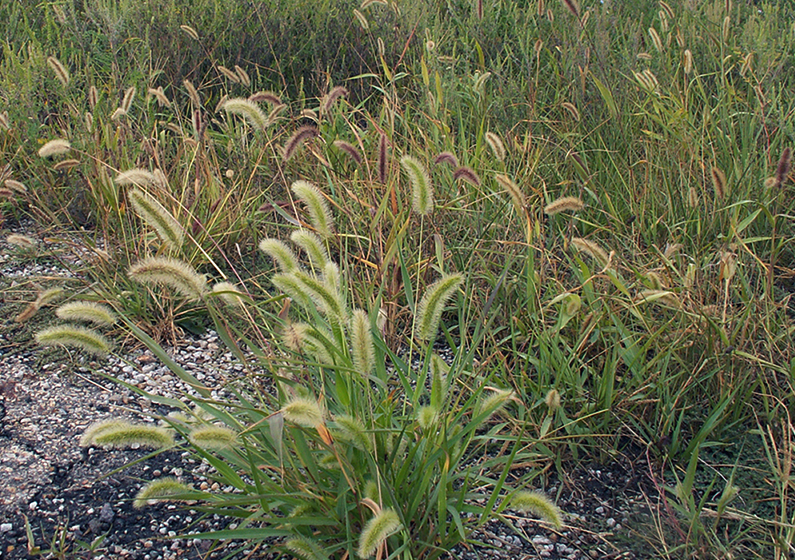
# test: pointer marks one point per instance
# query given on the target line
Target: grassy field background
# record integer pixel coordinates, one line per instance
(613, 180)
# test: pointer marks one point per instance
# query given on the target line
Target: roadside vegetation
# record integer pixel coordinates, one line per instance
(590, 207)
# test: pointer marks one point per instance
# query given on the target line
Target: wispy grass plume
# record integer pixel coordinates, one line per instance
(313, 246)
(213, 437)
(56, 147)
(362, 346)
(349, 149)
(316, 204)
(248, 110)
(429, 310)
(74, 336)
(496, 145)
(88, 311)
(153, 213)
(719, 183)
(281, 253)
(538, 504)
(162, 489)
(331, 98)
(467, 174)
(591, 249)
(119, 434)
(295, 141)
(304, 412)
(60, 70)
(169, 272)
(421, 189)
(564, 204)
(377, 530)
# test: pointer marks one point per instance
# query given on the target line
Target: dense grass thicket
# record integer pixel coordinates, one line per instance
(591, 205)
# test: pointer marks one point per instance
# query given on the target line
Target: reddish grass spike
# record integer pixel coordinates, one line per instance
(332, 97)
(267, 96)
(467, 174)
(298, 138)
(382, 159)
(349, 149)
(784, 164)
(719, 183)
(446, 157)
(572, 6)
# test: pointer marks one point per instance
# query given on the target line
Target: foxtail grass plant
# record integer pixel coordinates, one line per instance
(375, 454)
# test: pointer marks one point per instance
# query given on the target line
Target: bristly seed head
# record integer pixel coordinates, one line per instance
(496, 145)
(421, 189)
(349, 149)
(467, 174)
(332, 97)
(248, 110)
(591, 249)
(564, 204)
(55, 147)
(83, 338)
(297, 139)
(783, 167)
(446, 157)
(719, 183)
(60, 70)
(170, 272)
(316, 204)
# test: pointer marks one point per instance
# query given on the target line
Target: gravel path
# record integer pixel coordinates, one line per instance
(73, 494)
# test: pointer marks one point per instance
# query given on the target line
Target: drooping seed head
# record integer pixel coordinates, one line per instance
(782, 169)
(281, 253)
(687, 58)
(229, 294)
(160, 95)
(591, 249)
(160, 490)
(304, 412)
(349, 149)
(157, 217)
(382, 158)
(352, 430)
(56, 147)
(564, 204)
(248, 110)
(538, 504)
(305, 548)
(170, 272)
(496, 145)
(60, 70)
(213, 437)
(332, 97)
(362, 346)
(231, 76)
(466, 174)
(446, 157)
(571, 109)
(82, 338)
(295, 141)
(429, 310)
(313, 246)
(88, 311)
(377, 530)
(655, 39)
(193, 94)
(421, 188)
(719, 183)
(127, 101)
(243, 76)
(316, 204)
